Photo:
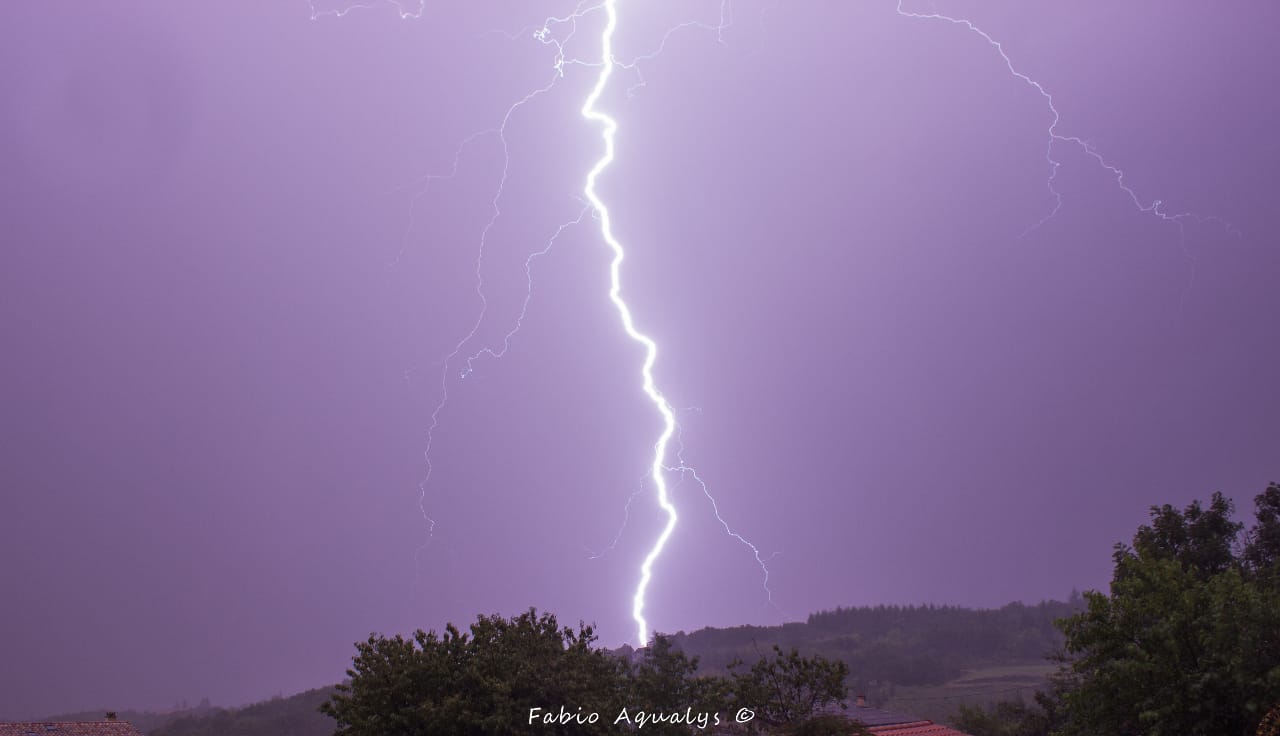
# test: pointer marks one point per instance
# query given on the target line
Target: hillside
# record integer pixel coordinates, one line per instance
(904, 645)
(920, 659)
(297, 715)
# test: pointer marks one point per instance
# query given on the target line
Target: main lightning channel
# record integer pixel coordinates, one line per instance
(608, 130)
(604, 67)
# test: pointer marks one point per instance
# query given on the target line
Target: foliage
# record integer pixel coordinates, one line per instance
(495, 678)
(886, 646)
(1199, 540)
(1270, 725)
(1262, 547)
(489, 681)
(882, 645)
(786, 690)
(826, 724)
(667, 681)
(293, 716)
(1005, 718)
(1188, 641)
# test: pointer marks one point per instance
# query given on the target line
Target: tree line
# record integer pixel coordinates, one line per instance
(1187, 640)
(901, 645)
(529, 675)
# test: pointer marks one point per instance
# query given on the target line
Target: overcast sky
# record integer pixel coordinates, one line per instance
(239, 242)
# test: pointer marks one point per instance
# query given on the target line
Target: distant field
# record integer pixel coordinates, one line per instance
(975, 687)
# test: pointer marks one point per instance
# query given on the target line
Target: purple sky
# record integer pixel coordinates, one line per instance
(227, 285)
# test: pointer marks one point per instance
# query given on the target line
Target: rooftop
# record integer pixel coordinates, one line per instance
(876, 716)
(86, 728)
(915, 728)
(889, 723)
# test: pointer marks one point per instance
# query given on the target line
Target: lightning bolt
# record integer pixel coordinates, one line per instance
(543, 35)
(405, 9)
(446, 364)
(626, 518)
(688, 471)
(497, 353)
(608, 131)
(605, 66)
(1154, 207)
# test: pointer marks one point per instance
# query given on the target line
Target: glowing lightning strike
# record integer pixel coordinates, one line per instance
(501, 133)
(687, 470)
(606, 65)
(609, 127)
(401, 8)
(1153, 208)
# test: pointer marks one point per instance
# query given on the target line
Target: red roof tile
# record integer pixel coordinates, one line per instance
(915, 728)
(91, 728)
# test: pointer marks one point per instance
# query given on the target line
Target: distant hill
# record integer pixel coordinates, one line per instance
(297, 715)
(925, 657)
(889, 648)
(145, 721)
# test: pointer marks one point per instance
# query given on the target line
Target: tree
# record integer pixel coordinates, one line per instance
(1270, 725)
(293, 716)
(1188, 641)
(1005, 718)
(787, 691)
(496, 679)
(667, 681)
(1201, 540)
(1262, 549)
(826, 724)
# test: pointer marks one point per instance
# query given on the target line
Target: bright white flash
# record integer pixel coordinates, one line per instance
(604, 68)
(608, 130)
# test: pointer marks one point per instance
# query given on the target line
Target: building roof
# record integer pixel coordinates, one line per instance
(915, 728)
(869, 716)
(890, 723)
(86, 728)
